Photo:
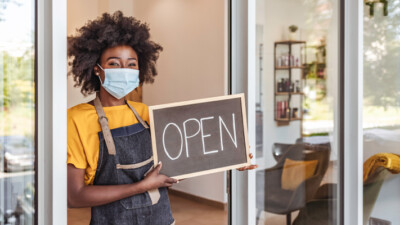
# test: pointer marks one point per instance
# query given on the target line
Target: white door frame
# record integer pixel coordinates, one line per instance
(353, 103)
(243, 62)
(52, 111)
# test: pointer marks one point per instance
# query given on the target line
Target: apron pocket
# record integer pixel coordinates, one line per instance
(132, 173)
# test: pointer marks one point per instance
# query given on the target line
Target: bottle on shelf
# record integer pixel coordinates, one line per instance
(297, 86)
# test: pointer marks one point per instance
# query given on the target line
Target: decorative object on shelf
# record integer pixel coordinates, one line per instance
(293, 32)
(295, 114)
(291, 84)
(371, 4)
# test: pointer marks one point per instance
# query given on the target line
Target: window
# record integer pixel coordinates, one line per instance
(17, 112)
(381, 111)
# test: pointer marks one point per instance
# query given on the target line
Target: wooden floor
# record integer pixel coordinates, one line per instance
(190, 212)
(184, 211)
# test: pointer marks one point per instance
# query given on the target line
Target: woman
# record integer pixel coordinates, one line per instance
(109, 147)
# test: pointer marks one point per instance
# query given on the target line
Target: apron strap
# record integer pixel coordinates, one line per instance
(137, 116)
(104, 126)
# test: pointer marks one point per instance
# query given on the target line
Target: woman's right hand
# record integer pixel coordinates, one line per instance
(155, 180)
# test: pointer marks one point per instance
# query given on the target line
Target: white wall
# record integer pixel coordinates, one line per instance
(78, 13)
(191, 66)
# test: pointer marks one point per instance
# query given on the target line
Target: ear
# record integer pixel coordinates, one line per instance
(96, 70)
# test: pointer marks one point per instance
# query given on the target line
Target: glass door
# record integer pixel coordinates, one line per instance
(381, 112)
(297, 112)
(17, 112)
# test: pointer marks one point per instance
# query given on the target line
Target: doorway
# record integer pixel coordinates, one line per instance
(192, 65)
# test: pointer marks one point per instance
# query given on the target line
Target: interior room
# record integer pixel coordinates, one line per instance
(192, 65)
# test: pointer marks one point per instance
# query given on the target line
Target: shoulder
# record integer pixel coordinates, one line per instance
(79, 111)
(141, 108)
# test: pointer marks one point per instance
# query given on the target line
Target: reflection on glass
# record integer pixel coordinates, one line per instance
(298, 70)
(17, 112)
(381, 112)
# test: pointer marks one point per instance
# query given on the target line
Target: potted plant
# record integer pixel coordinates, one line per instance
(293, 32)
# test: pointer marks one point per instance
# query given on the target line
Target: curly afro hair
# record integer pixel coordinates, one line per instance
(105, 32)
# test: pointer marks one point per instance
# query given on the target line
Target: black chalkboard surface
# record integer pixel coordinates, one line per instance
(199, 137)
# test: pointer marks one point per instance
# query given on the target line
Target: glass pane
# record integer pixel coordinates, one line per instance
(17, 112)
(297, 111)
(381, 112)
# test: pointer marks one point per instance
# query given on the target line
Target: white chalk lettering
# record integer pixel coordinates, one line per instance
(165, 148)
(204, 136)
(221, 122)
(186, 135)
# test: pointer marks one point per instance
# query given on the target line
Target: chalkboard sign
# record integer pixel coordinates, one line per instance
(199, 137)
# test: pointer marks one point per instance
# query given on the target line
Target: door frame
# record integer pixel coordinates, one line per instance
(351, 187)
(51, 112)
(242, 55)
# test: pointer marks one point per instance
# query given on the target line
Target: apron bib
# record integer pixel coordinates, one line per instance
(125, 157)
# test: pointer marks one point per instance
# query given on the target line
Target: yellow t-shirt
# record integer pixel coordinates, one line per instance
(83, 128)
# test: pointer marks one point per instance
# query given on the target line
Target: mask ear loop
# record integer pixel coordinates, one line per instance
(100, 66)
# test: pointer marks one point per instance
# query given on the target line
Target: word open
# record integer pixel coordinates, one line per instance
(183, 135)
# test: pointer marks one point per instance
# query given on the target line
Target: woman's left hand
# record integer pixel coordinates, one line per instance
(250, 167)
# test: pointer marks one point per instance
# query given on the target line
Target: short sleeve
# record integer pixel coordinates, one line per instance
(75, 150)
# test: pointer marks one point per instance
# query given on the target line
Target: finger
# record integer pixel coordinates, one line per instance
(251, 167)
(167, 185)
(158, 168)
(251, 155)
(171, 180)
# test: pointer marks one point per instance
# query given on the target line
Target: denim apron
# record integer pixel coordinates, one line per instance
(125, 157)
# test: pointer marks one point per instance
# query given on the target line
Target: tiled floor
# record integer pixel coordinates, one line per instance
(184, 211)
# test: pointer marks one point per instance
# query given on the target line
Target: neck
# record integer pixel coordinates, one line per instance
(109, 100)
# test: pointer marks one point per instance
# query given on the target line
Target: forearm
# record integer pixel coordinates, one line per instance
(95, 195)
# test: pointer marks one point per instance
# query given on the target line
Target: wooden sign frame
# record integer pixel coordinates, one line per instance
(205, 100)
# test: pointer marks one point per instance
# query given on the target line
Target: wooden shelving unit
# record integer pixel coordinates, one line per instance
(285, 112)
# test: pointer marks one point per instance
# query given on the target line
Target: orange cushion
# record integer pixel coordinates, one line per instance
(295, 172)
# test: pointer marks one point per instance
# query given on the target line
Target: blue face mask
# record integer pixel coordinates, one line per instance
(120, 81)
